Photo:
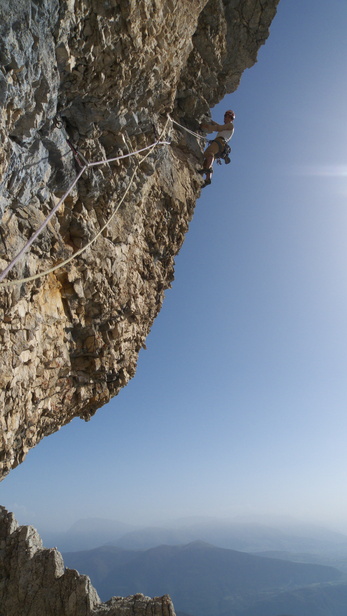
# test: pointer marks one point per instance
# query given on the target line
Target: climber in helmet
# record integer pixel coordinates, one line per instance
(218, 146)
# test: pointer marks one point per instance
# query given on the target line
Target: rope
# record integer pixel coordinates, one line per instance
(111, 160)
(188, 130)
(66, 261)
(45, 222)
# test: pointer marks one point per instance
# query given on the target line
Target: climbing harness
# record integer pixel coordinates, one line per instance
(224, 155)
(224, 150)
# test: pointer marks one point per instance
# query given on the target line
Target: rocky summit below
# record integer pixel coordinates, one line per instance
(34, 582)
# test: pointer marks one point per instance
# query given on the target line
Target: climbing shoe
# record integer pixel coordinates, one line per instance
(203, 171)
(206, 182)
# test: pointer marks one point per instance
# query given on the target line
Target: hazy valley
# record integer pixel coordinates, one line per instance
(216, 568)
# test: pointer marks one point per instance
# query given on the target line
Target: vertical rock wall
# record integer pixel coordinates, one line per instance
(112, 71)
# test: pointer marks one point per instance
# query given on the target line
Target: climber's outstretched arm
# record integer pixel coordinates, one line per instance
(212, 126)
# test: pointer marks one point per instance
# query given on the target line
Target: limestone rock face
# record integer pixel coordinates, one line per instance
(113, 71)
(34, 582)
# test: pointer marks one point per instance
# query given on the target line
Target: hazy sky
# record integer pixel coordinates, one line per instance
(239, 402)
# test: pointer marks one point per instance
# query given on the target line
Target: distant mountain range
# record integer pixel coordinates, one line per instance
(333, 559)
(204, 580)
(86, 534)
(242, 536)
(212, 567)
(283, 536)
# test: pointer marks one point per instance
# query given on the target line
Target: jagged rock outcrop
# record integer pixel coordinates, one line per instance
(113, 70)
(34, 582)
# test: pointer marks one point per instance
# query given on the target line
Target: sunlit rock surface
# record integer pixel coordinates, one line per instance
(34, 582)
(113, 71)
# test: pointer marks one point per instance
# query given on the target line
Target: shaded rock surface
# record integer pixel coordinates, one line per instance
(34, 582)
(113, 71)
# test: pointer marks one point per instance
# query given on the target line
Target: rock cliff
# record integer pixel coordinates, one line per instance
(112, 72)
(106, 78)
(34, 582)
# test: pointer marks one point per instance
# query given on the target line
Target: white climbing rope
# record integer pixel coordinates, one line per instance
(150, 148)
(188, 130)
(40, 229)
(111, 160)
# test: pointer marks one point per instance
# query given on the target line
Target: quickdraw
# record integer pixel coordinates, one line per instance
(79, 158)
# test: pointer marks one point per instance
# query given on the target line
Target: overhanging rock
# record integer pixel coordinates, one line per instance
(113, 71)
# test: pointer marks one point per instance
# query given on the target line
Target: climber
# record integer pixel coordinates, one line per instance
(218, 147)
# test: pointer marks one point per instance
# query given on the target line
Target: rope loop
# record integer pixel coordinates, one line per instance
(86, 165)
(191, 132)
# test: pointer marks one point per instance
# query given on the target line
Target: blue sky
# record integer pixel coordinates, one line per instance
(239, 402)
